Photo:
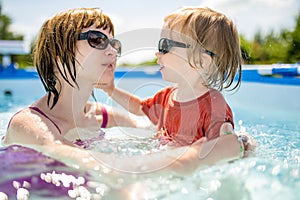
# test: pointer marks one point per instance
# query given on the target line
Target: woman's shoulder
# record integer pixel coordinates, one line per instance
(17, 125)
(26, 126)
(21, 118)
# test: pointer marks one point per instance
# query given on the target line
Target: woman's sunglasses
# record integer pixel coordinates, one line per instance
(165, 45)
(99, 40)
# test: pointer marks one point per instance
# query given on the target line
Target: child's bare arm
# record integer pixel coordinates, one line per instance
(249, 144)
(129, 101)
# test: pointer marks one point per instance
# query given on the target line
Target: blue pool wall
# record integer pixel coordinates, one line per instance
(266, 90)
(286, 74)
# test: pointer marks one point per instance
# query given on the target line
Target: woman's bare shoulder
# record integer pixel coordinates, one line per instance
(27, 127)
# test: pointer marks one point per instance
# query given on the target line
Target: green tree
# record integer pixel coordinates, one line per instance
(272, 48)
(276, 47)
(293, 54)
(245, 49)
(255, 49)
(5, 34)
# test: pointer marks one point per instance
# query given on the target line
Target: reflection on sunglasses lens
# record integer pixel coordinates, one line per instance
(97, 41)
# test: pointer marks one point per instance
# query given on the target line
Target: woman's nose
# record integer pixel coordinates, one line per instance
(110, 50)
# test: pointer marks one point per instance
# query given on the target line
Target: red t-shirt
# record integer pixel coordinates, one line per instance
(186, 122)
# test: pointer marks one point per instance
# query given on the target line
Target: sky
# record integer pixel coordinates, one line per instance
(134, 19)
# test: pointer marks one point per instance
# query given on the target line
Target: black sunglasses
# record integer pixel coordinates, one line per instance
(99, 40)
(165, 45)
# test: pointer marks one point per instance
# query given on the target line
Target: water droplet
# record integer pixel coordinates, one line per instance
(276, 170)
(3, 196)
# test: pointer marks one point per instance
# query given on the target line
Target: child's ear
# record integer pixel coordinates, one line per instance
(204, 61)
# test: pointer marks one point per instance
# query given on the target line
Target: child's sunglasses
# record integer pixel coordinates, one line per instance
(99, 40)
(165, 45)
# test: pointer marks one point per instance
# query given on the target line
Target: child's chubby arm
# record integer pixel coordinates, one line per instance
(179, 160)
(127, 100)
(204, 153)
(186, 159)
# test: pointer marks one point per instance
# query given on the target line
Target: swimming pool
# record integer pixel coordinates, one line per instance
(266, 106)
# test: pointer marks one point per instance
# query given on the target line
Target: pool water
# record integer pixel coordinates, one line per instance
(273, 172)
